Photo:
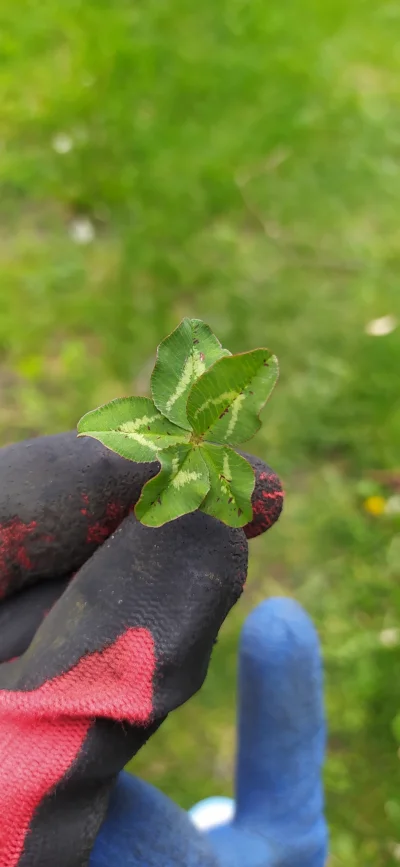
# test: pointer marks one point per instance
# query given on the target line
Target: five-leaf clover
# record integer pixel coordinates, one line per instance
(204, 401)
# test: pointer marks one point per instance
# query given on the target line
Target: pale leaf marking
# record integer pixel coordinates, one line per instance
(184, 477)
(130, 428)
(225, 478)
(235, 413)
(226, 468)
(143, 441)
(194, 367)
(134, 425)
(214, 401)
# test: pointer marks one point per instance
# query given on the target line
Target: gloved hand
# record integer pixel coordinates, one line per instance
(277, 820)
(127, 638)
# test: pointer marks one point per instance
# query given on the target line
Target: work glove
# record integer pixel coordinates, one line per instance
(277, 819)
(105, 627)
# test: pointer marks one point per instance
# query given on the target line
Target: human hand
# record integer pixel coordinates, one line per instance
(126, 641)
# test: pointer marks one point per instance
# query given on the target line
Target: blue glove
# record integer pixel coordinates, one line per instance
(278, 817)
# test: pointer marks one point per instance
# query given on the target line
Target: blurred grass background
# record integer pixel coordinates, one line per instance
(238, 162)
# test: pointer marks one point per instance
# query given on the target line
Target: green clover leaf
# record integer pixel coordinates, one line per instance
(231, 486)
(179, 488)
(132, 427)
(181, 358)
(204, 401)
(224, 403)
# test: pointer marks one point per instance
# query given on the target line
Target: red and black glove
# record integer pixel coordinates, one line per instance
(132, 616)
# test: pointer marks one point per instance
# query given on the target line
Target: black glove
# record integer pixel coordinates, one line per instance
(128, 639)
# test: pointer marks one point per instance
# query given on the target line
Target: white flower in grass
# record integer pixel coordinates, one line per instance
(62, 143)
(389, 637)
(382, 326)
(392, 506)
(82, 230)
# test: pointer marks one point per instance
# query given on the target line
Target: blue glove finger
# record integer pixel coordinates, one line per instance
(279, 808)
(144, 828)
(281, 719)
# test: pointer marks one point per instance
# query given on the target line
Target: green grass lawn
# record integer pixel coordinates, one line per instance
(238, 162)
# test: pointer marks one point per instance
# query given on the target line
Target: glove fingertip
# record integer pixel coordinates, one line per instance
(267, 499)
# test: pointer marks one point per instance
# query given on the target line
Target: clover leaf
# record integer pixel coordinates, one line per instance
(180, 486)
(205, 400)
(224, 403)
(181, 358)
(133, 427)
(231, 486)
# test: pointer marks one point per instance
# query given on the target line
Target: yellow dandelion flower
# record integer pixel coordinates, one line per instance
(375, 505)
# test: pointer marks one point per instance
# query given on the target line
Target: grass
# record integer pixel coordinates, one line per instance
(238, 162)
